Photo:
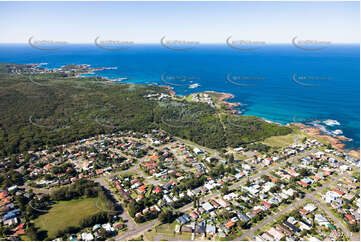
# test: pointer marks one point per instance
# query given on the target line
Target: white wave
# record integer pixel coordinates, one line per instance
(321, 127)
(195, 85)
(337, 132)
(330, 122)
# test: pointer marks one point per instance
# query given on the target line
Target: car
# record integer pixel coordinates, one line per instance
(234, 219)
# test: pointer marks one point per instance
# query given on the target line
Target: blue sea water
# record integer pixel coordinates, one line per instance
(280, 83)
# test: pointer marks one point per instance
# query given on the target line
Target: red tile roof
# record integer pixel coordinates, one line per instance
(302, 183)
(157, 190)
(230, 224)
(338, 191)
(303, 211)
(142, 188)
(266, 204)
(3, 195)
(350, 218)
(48, 166)
(193, 215)
(153, 157)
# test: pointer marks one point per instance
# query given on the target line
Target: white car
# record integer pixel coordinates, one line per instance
(234, 219)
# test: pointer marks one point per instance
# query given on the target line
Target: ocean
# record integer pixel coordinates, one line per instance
(280, 83)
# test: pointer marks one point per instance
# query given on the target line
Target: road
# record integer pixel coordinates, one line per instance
(268, 220)
(137, 230)
(244, 180)
(340, 224)
(133, 229)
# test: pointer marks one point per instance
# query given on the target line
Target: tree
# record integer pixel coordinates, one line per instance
(224, 190)
(31, 232)
(3, 230)
(103, 233)
(166, 216)
(231, 158)
(354, 227)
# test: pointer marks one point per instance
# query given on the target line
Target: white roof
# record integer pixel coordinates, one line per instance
(207, 206)
(310, 207)
(87, 236)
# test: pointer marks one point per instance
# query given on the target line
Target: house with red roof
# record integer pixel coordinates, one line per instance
(230, 224)
(142, 189)
(273, 179)
(100, 171)
(19, 230)
(316, 177)
(266, 204)
(338, 191)
(292, 172)
(6, 200)
(3, 194)
(150, 165)
(302, 183)
(350, 218)
(303, 211)
(193, 215)
(153, 158)
(48, 166)
(157, 190)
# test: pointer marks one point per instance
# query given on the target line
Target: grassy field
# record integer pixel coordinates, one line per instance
(66, 214)
(285, 140)
(166, 232)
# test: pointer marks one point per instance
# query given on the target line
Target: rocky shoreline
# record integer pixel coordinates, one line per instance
(335, 141)
(222, 99)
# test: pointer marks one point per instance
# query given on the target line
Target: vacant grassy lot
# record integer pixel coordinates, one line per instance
(166, 232)
(66, 214)
(284, 140)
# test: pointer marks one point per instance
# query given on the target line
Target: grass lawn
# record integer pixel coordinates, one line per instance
(166, 232)
(66, 214)
(284, 140)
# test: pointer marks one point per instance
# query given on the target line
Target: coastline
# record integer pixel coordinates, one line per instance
(170, 90)
(229, 106)
(335, 141)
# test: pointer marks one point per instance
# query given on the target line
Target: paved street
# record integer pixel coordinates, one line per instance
(244, 179)
(250, 233)
(339, 223)
(137, 230)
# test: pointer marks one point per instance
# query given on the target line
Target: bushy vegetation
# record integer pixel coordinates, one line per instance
(76, 190)
(44, 110)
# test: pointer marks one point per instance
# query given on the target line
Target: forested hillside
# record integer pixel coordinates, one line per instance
(39, 110)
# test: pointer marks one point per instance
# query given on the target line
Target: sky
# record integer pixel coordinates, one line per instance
(204, 22)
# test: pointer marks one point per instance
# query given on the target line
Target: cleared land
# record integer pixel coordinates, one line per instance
(165, 232)
(66, 214)
(285, 140)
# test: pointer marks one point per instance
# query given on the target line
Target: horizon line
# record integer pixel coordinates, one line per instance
(199, 43)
